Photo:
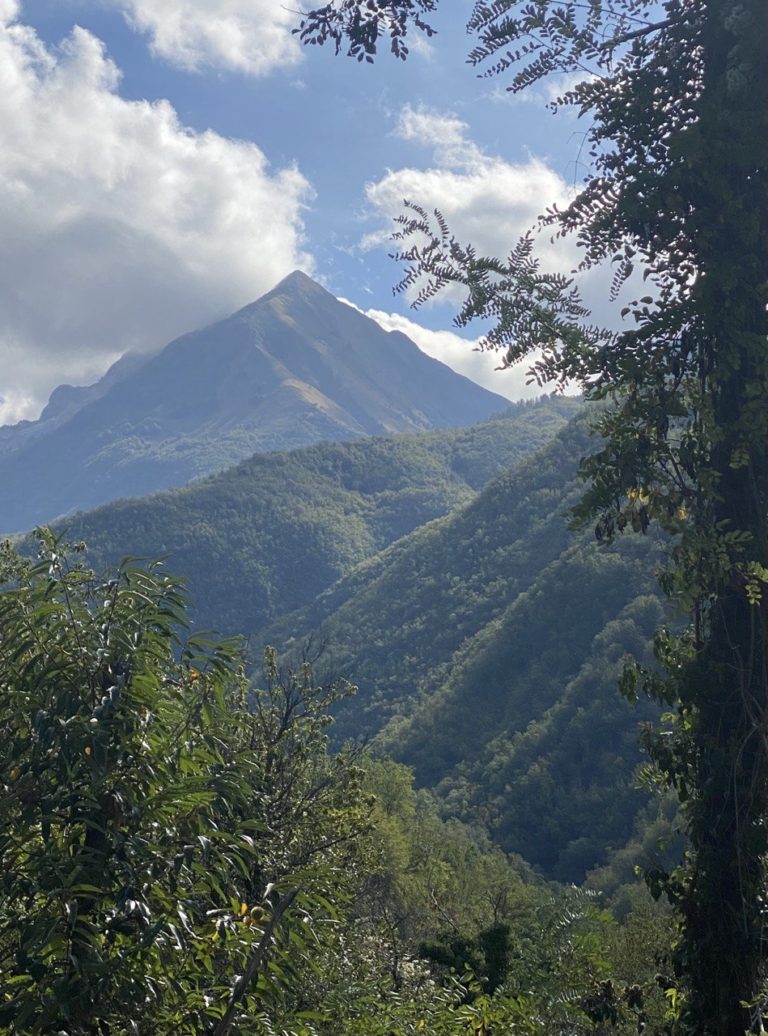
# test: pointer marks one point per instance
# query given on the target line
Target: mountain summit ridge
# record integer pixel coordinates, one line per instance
(295, 367)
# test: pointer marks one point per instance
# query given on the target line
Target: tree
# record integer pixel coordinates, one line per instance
(162, 845)
(677, 94)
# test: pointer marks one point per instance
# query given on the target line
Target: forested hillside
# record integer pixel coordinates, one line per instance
(155, 884)
(484, 636)
(486, 648)
(266, 537)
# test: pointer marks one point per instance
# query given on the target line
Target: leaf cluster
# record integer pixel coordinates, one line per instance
(363, 25)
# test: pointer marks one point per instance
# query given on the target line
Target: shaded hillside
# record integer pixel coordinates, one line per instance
(267, 536)
(293, 368)
(484, 636)
(486, 647)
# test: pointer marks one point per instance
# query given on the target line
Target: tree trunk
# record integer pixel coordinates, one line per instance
(723, 906)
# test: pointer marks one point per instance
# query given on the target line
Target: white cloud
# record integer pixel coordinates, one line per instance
(445, 134)
(119, 227)
(487, 201)
(460, 354)
(248, 36)
(15, 406)
(419, 45)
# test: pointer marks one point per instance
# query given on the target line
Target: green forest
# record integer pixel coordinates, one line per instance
(266, 537)
(354, 554)
(399, 823)
(183, 852)
(462, 733)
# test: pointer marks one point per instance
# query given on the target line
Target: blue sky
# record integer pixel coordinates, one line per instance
(167, 161)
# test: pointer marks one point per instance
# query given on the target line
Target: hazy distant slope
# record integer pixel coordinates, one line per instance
(293, 368)
(265, 537)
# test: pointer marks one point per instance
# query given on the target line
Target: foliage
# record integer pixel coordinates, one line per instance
(560, 983)
(162, 846)
(427, 878)
(657, 844)
(363, 25)
(176, 862)
(678, 189)
(446, 934)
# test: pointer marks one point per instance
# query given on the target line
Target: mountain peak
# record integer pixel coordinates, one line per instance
(292, 368)
(298, 281)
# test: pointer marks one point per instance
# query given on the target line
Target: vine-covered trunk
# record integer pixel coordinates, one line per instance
(724, 907)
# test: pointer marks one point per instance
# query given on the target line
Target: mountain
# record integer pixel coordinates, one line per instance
(293, 368)
(267, 536)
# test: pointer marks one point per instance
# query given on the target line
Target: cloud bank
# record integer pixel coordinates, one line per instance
(119, 226)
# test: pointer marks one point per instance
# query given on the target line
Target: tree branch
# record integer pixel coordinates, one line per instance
(646, 30)
(255, 964)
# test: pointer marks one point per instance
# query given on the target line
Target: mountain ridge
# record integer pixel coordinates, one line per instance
(292, 368)
(270, 533)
